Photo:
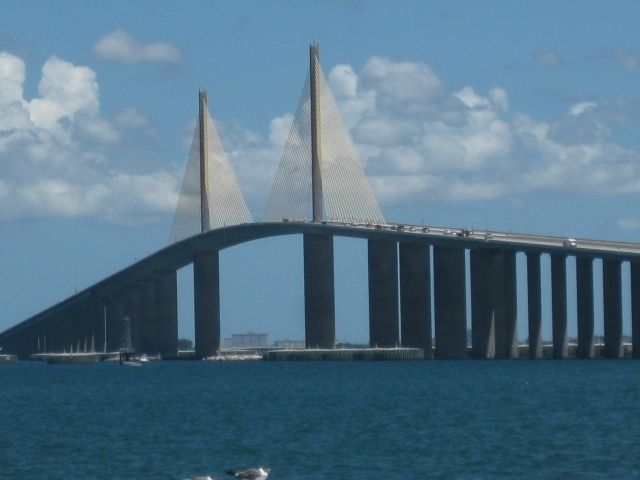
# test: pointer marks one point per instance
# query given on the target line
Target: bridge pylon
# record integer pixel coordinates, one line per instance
(209, 195)
(320, 177)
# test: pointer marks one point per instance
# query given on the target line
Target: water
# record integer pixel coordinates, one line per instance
(430, 419)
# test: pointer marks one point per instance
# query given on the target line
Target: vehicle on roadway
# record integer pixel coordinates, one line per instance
(570, 242)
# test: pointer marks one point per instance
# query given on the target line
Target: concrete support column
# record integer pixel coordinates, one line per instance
(415, 297)
(612, 301)
(506, 323)
(559, 304)
(450, 302)
(584, 288)
(115, 322)
(47, 335)
(534, 304)
(25, 344)
(206, 304)
(95, 316)
(494, 304)
(82, 326)
(167, 313)
(149, 342)
(74, 316)
(65, 333)
(319, 301)
(635, 308)
(19, 344)
(483, 337)
(134, 312)
(383, 294)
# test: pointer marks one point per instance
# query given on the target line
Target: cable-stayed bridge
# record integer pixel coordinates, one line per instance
(320, 191)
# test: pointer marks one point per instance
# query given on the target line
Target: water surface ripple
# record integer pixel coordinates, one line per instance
(385, 420)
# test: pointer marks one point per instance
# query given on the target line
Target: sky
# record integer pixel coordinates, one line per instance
(515, 116)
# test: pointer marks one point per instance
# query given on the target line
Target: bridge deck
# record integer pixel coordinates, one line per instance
(181, 253)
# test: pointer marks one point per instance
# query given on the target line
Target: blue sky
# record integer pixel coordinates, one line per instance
(519, 116)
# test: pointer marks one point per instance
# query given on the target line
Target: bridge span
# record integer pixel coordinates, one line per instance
(143, 296)
(320, 192)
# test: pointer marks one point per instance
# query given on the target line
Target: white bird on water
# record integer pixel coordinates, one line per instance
(259, 473)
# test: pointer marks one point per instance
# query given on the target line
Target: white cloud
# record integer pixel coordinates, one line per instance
(579, 108)
(354, 101)
(12, 75)
(119, 46)
(415, 139)
(53, 148)
(469, 97)
(132, 117)
(401, 85)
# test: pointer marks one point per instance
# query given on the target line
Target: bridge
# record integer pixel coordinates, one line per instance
(320, 192)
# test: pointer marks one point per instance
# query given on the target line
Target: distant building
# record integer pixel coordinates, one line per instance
(289, 343)
(247, 340)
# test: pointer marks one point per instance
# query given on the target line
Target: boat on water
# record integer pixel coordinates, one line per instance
(130, 363)
(128, 358)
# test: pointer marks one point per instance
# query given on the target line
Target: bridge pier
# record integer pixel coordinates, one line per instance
(635, 308)
(167, 313)
(383, 293)
(559, 304)
(450, 302)
(483, 337)
(94, 309)
(115, 321)
(148, 324)
(415, 297)
(493, 304)
(319, 300)
(584, 287)
(74, 314)
(24, 344)
(65, 331)
(206, 288)
(133, 311)
(534, 304)
(612, 301)
(82, 326)
(507, 301)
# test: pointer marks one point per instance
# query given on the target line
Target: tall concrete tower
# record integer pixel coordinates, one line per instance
(203, 114)
(316, 152)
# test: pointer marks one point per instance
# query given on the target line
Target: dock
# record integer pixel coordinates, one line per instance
(345, 354)
(8, 358)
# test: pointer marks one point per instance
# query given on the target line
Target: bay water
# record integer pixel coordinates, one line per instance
(322, 420)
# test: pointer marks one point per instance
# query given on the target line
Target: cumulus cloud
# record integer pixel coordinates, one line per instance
(53, 150)
(418, 140)
(119, 46)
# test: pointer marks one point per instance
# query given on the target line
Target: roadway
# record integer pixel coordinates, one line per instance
(182, 253)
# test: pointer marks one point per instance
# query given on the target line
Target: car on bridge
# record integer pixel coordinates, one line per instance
(570, 242)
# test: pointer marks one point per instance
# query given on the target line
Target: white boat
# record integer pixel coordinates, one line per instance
(130, 363)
